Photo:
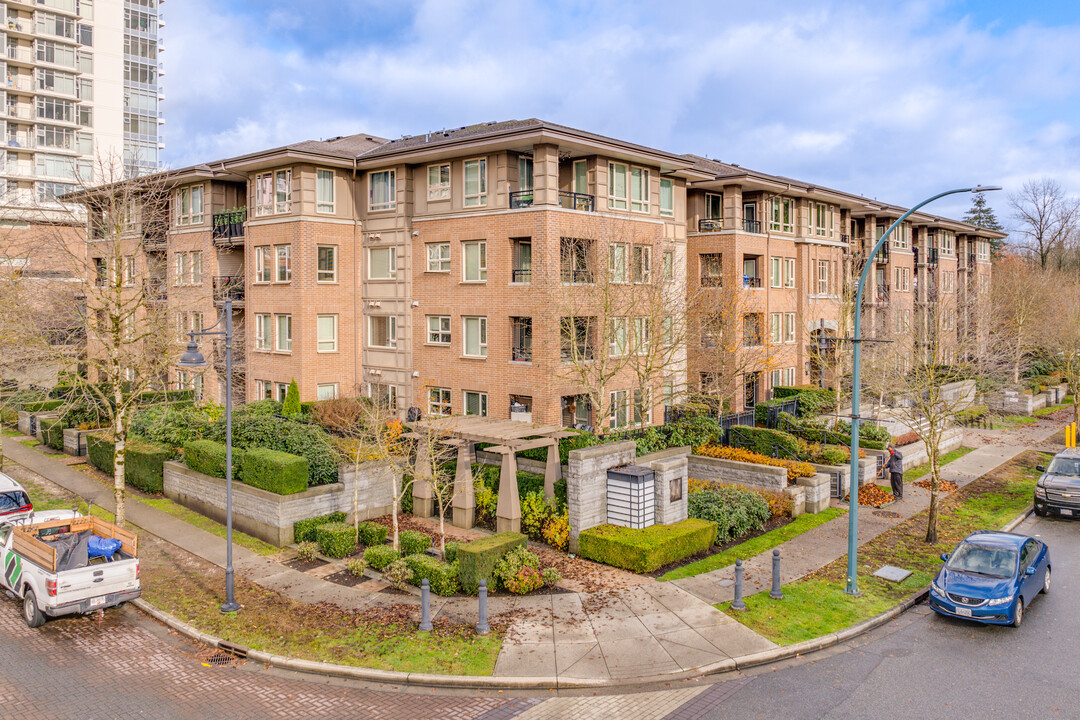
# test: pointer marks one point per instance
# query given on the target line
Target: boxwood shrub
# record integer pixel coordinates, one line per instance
(42, 405)
(99, 451)
(304, 530)
(477, 559)
(336, 539)
(762, 440)
(412, 542)
(380, 556)
(442, 576)
(208, 458)
(52, 433)
(144, 460)
(373, 533)
(253, 430)
(451, 551)
(645, 550)
(733, 511)
(277, 472)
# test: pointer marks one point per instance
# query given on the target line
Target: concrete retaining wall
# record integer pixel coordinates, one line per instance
(75, 441)
(763, 477)
(586, 484)
(915, 453)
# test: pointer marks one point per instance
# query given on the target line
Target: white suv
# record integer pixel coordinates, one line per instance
(14, 502)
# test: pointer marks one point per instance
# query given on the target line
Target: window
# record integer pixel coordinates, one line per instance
(382, 331)
(711, 266)
(475, 261)
(324, 191)
(438, 182)
(475, 182)
(385, 396)
(439, 329)
(639, 189)
(901, 238)
(983, 248)
(576, 338)
(522, 271)
(642, 263)
(752, 329)
(581, 176)
(617, 262)
(128, 272)
(525, 173)
(282, 391)
(521, 339)
(181, 268)
(789, 327)
(284, 263)
(823, 277)
(948, 281)
(439, 401)
(326, 325)
(382, 263)
(619, 408)
(775, 328)
(776, 378)
(714, 206)
(196, 268)
(327, 263)
(475, 337)
(264, 390)
(189, 204)
(617, 186)
(382, 195)
(903, 279)
(264, 194)
(667, 197)
(948, 242)
(284, 333)
(669, 265)
(476, 403)
(326, 391)
(262, 331)
(438, 257)
(822, 219)
(617, 340)
(575, 257)
(263, 264)
(783, 213)
(641, 335)
(776, 278)
(283, 191)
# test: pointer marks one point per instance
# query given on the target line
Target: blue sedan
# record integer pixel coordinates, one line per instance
(991, 577)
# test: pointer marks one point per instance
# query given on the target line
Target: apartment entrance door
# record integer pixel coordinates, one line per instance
(751, 390)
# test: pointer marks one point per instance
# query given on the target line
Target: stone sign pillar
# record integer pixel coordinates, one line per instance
(423, 501)
(508, 511)
(552, 470)
(464, 502)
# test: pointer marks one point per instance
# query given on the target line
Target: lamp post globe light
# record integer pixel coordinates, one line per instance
(853, 488)
(194, 360)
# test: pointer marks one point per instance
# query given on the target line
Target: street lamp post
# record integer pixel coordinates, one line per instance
(853, 489)
(194, 359)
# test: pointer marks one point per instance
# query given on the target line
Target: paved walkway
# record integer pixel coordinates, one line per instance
(652, 629)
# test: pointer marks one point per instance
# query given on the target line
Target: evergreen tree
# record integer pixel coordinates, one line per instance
(982, 215)
(291, 406)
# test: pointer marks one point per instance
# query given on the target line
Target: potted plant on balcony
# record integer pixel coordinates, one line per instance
(236, 221)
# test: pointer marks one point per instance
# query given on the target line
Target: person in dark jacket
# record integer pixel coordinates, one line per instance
(895, 467)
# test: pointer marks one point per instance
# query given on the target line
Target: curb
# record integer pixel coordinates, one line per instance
(481, 682)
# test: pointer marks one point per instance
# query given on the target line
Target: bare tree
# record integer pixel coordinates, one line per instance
(1021, 296)
(1062, 335)
(349, 418)
(1047, 218)
(379, 428)
(830, 352)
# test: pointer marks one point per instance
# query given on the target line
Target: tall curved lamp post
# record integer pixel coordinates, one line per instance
(193, 359)
(853, 488)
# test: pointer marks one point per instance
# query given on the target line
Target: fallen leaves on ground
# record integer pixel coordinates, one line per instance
(945, 486)
(873, 496)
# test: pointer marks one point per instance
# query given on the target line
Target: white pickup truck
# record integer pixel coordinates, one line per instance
(46, 563)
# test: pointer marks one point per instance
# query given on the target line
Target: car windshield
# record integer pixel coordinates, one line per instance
(982, 560)
(13, 500)
(1065, 466)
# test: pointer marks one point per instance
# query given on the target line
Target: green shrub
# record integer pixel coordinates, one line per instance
(761, 409)
(518, 571)
(275, 471)
(487, 502)
(477, 559)
(356, 566)
(52, 433)
(291, 406)
(398, 574)
(412, 542)
(208, 458)
(812, 400)
(451, 551)
(175, 425)
(306, 440)
(551, 576)
(442, 576)
(262, 407)
(307, 551)
(762, 440)
(161, 397)
(734, 511)
(336, 539)
(99, 451)
(645, 550)
(304, 530)
(693, 431)
(42, 406)
(535, 514)
(9, 416)
(144, 465)
(380, 556)
(372, 533)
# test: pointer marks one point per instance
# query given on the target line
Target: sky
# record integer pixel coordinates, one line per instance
(891, 100)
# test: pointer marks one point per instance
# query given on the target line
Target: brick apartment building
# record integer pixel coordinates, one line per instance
(464, 271)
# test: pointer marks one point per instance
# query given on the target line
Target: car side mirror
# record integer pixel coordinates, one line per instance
(1040, 468)
(1030, 570)
(944, 557)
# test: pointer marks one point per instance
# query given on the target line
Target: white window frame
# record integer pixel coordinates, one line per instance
(195, 267)
(440, 401)
(708, 206)
(481, 260)
(284, 339)
(619, 413)
(481, 401)
(283, 252)
(823, 277)
(618, 262)
(669, 265)
(618, 336)
(390, 181)
(181, 260)
(948, 243)
(641, 335)
(789, 273)
(127, 270)
(901, 239)
(391, 264)
(439, 190)
(982, 249)
(782, 215)
(264, 194)
(667, 209)
(822, 218)
(324, 204)
(479, 198)
(331, 395)
(438, 262)
(391, 331)
(776, 271)
(439, 330)
(789, 328)
(616, 201)
(185, 205)
(482, 335)
(326, 276)
(264, 264)
(264, 332)
(789, 377)
(641, 259)
(282, 191)
(323, 344)
(574, 169)
(776, 327)
(282, 391)
(639, 181)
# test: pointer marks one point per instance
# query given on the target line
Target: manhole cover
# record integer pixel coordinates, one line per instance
(887, 514)
(218, 660)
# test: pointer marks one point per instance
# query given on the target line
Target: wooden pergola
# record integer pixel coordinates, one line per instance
(509, 438)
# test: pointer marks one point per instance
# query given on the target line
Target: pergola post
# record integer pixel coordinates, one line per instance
(464, 502)
(423, 502)
(508, 511)
(552, 470)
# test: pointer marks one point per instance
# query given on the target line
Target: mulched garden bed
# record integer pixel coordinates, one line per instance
(346, 578)
(772, 524)
(304, 565)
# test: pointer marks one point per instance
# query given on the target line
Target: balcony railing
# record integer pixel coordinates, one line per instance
(932, 256)
(712, 281)
(882, 256)
(521, 276)
(155, 237)
(521, 353)
(229, 226)
(229, 287)
(521, 199)
(882, 294)
(156, 289)
(577, 201)
(710, 224)
(580, 352)
(577, 276)
(751, 281)
(751, 226)
(845, 238)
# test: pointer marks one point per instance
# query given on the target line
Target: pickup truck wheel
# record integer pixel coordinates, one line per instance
(34, 618)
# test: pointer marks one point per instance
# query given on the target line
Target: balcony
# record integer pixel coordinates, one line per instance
(523, 277)
(229, 287)
(521, 199)
(155, 237)
(20, 54)
(882, 293)
(155, 289)
(751, 226)
(882, 258)
(710, 225)
(751, 281)
(577, 277)
(845, 238)
(567, 200)
(229, 227)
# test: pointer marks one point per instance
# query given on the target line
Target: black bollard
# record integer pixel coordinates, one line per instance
(737, 603)
(425, 605)
(482, 626)
(776, 593)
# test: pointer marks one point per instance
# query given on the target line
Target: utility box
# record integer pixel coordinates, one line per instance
(631, 496)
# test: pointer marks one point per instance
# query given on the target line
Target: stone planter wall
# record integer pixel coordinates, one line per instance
(751, 475)
(915, 453)
(75, 441)
(816, 489)
(672, 491)
(586, 484)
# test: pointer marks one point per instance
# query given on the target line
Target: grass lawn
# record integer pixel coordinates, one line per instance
(28, 443)
(201, 521)
(919, 470)
(8, 432)
(1051, 409)
(1008, 422)
(817, 605)
(754, 546)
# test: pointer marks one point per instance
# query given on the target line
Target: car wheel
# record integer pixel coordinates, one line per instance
(31, 614)
(1046, 581)
(1018, 614)
(1040, 513)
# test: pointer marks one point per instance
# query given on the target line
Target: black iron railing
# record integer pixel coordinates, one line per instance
(883, 254)
(577, 276)
(577, 201)
(155, 237)
(521, 276)
(710, 224)
(751, 281)
(156, 289)
(845, 238)
(883, 292)
(580, 352)
(521, 199)
(932, 256)
(228, 287)
(751, 226)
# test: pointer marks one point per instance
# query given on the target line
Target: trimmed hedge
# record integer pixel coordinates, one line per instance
(52, 433)
(99, 452)
(372, 534)
(380, 556)
(812, 399)
(762, 440)
(253, 430)
(442, 576)
(208, 458)
(176, 397)
(144, 461)
(645, 550)
(477, 559)
(412, 542)
(304, 530)
(41, 406)
(451, 551)
(336, 539)
(275, 471)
